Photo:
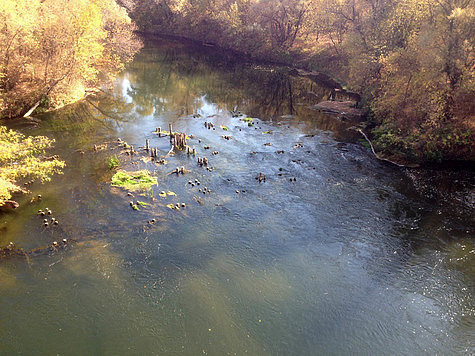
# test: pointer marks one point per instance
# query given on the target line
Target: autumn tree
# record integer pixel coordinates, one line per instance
(23, 157)
(282, 20)
(52, 50)
(425, 99)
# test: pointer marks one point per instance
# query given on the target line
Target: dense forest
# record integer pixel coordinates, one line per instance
(412, 61)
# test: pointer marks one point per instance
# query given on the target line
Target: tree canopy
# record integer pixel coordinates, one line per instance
(52, 50)
(22, 157)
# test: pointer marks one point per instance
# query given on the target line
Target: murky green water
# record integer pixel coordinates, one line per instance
(354, 257)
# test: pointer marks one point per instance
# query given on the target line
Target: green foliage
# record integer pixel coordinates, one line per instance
(140, 180)
(424, 97)
(22, 157)
(364, 143)
(113, 162)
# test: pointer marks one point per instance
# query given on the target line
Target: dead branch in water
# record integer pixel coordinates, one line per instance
(382, 158)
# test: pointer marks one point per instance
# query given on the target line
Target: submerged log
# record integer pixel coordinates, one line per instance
(345, 108)
(317, 77)
(11, 250)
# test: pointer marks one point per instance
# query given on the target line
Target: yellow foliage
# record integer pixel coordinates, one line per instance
(22, 157)
(51, 49)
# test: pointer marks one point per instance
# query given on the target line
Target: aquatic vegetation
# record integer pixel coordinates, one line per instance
(133, 180)
(249, 121)
(164, 194)
(176, 206)
(162, 132)
(113, 162)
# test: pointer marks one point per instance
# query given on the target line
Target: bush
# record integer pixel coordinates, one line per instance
(22, 157)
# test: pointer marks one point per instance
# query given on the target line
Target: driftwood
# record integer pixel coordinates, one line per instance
(11, 250)
(179, 141)
(317, 77)
(341, 108)
(10, 204)
(382, 158)
(345, 94)
(33, 108)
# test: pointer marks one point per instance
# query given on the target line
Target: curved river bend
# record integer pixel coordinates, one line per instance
(353, 257)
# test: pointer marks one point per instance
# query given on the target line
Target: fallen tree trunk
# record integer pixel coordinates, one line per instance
(382, 158)
(33, 108)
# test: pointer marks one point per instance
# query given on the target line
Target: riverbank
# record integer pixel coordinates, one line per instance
(337, 107)
(399, 129)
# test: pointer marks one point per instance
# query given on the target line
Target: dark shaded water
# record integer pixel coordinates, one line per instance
(353, 257)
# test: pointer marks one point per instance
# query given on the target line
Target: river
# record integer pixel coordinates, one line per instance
(353, 256)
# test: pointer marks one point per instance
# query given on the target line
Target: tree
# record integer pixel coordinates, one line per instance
(283, 20)
(53, 50)
(425, 98)
(22, 157)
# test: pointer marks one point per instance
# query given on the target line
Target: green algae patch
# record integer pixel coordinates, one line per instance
(248, 120)
(113, 162)
(133, 180)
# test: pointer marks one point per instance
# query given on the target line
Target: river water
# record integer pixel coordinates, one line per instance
(353, 257)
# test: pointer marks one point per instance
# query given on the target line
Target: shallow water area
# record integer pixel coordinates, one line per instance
(334, 253)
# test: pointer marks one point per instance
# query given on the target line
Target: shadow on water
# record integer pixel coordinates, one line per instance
(352, 256)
